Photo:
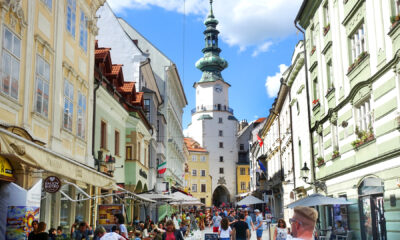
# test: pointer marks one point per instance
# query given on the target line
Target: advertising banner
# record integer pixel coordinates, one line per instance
(106, 213)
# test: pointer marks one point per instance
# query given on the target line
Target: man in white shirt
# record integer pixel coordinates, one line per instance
(101, 234)
(303, 223)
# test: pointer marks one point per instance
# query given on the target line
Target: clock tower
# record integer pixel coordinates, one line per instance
(213, 123)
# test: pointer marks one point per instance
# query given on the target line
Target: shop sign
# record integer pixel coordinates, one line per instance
(52, 184)
(143, 173)
(5, 168)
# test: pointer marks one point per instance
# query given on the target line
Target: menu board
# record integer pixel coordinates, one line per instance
(106, 213)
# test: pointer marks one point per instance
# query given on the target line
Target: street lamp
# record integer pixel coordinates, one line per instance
(110, 163)
(304, 172)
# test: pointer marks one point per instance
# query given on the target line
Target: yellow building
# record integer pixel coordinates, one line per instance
(198, 179)
(46, 97)
(242, 178)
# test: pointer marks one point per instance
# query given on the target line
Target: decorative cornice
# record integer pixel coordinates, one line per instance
(46, 45)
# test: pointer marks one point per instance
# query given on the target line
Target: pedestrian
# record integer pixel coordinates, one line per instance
(60, 234)
(171, 233)
(35, 225)
(224, 231)
(52, 234)
(145, 231)
(101, 234)
(259, 224)
(41, 233)
(281, 231)
(120, 221)
(83, 232)
(249, 221)
(303, 223)
(216, 222)
(241, 229)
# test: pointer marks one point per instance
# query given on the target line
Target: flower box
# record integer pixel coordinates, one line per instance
(335, 154)
(363, 138)
(327, 28)
(394, 20)
(357, 61)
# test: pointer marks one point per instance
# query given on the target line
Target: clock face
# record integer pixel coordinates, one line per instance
(218, 88)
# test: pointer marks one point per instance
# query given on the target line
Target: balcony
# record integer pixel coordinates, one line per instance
(212, 108)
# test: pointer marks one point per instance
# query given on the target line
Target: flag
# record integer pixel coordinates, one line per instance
(162, 167)
(262, 166)
(260, 141)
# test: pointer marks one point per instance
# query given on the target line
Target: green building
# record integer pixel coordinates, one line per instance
(352, 64)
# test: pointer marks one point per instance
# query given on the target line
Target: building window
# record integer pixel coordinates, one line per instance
(203, 188)
(363, 116)
(203, 173)
(221, 159)
(220, 133)
(194, 187)
(221, 170)
(300, 155)
(10, 63)
(81, 115)
(396, 7)
(103, 135)
(242, 185)
(68, 105)
(203, 200)
(128, 153)
(326, 14)
(315, 89)
(242, 171)
(194, 172)
(202, 158)
(221, 145)
(71, 15)
(241, 147)
(48, 3)
(220, 120)
(146, 105)
(42, 86)
(358, 44)
(329, 75)
(194, 158)
(83, 32)
(139, 148)
(335, 139)
(313, 38)
(116, 142)
(321, 144)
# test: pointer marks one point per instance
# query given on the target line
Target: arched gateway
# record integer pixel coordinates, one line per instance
(220, 195)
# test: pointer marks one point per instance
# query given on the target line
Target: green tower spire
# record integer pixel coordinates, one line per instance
(211, 64)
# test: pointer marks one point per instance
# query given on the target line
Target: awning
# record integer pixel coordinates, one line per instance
(156, 196)
(188, 203)
(249, 200)
(317, 199)
(16, 148)
(180, 197)
(134, 195)
(243, 194)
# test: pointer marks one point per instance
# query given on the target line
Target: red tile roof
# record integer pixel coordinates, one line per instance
(101, 53)
(193, 146)
(127, 87)
(260, 120)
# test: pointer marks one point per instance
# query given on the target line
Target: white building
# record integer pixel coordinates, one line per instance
(213, 124)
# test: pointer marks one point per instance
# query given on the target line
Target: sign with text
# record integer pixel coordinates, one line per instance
(52, 184)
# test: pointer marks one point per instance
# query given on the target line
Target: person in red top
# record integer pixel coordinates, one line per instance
(171, 233)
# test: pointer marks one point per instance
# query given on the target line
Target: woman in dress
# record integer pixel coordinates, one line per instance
(281, 231)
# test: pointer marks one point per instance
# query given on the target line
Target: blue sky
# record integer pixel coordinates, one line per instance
(257, 39)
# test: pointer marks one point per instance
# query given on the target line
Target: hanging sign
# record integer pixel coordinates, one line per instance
(52, 184)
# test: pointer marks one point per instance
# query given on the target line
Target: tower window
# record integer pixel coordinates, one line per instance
(220, 133)
(221, 170)
(219, 107)
(220, 120)
(221, 159)
(221, 145)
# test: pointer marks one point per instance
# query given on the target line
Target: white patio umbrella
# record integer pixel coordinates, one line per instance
(180, 197)
(317, 199)
(249, 200)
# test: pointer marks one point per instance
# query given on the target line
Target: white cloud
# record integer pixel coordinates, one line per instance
(262, 48)
(273, 82)
(243, 23)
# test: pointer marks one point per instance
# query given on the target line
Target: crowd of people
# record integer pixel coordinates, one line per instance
(228, 223)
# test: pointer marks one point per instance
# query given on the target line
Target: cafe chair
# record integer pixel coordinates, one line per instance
(327, 236)
(348, 236)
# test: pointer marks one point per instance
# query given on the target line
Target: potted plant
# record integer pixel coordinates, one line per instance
(335, 153)
(320, 161)
(315, 101)
(326, 28)
(313, 50)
